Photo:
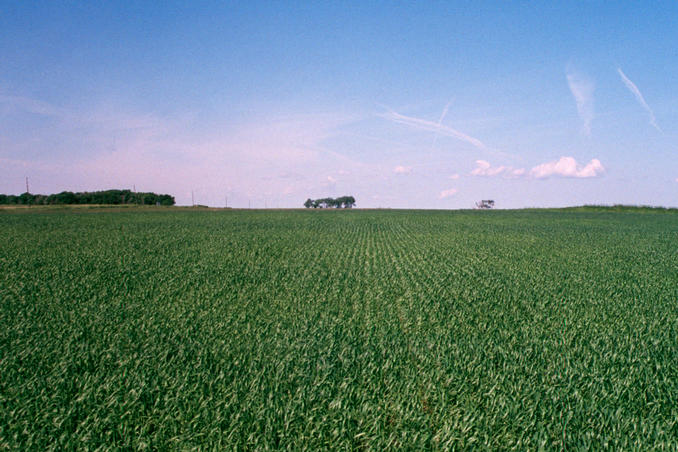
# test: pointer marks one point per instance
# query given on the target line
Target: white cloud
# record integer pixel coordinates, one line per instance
(564, 167)
(568, 167)
(331, 179)
(448, 193)
(639, 97)
(455, 176)
(485, 169)
(582, 89)
(433, 127)
(402, 169)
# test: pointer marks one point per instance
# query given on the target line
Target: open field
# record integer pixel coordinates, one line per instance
(172, 329)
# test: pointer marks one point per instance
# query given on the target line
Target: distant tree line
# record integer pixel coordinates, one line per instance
(93, 197)
(345, 202)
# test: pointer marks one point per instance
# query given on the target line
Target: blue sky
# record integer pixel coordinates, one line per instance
(431, 105)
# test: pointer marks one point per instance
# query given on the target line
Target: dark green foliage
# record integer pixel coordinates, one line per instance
(235, 330)
(345, 202)
(95, 197)
(622, 208)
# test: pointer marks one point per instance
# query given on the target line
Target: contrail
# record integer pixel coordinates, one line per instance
(444, 113)
(433, 127)
(639, 97)
(440, 122)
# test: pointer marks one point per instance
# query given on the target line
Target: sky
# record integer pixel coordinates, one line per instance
(431, 105)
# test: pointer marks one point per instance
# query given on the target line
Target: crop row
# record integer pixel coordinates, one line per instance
(349, 329)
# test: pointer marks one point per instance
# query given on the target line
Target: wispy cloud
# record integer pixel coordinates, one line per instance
(440, 121)
(582, 89)
(402, 169)
(454, 176)
(270, 157)
(639, 97)
(568, 167)
(483, 168)
(563, 167)
(447, 193)
(431, 126)
(31, 105)
(444, 113)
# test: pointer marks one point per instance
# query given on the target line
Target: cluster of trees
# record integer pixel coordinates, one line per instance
(345, 202)
(94, 197)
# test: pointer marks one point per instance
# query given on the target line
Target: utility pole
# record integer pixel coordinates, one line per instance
(226, 202)
(28, 192)
(192, 199)
(249, 204)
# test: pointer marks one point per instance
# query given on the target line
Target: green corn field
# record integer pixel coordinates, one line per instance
(311, 330)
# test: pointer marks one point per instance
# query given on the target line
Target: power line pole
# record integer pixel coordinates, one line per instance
(226, 202)
(28, 200)
(192, 199)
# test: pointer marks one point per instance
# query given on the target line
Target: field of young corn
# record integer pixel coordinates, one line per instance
(308, 330)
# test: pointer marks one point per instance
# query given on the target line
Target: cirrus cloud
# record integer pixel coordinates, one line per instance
(582, 89)
(448, 193)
